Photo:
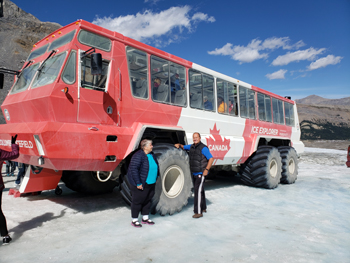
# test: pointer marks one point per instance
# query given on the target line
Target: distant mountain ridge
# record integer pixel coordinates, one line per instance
(317, 100)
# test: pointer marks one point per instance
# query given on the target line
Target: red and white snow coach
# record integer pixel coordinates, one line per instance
(87, 96)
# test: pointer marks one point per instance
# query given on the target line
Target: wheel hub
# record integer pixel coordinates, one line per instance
(291, 166)
(273, 168)
(173, 181)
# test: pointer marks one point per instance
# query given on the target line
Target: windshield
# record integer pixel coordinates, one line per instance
(62, 40)
(38, 52)
(49, 71)
(25, 79)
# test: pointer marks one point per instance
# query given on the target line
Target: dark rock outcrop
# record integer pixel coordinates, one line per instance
(324, 119)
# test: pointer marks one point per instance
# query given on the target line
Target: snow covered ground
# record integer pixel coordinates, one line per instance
(308, 221)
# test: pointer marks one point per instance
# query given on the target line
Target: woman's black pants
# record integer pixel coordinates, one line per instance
(3, 226)
(141, 199)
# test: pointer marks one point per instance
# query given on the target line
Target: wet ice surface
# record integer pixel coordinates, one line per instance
(308, 221)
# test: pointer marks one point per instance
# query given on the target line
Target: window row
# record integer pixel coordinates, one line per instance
(169, 86)
(168, 78)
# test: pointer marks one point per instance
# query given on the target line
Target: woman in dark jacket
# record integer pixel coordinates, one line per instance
(4, 156)
(143, 172)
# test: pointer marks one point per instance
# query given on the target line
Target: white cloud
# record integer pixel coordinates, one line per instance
(256, 49)
(277, 75)
(202, 17)
(282, 42)
(307, 54)
(243, 54)
(247, 54)
(325, 61)
(161, 28)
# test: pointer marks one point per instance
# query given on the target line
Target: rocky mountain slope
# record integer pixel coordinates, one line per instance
(19, 31)
(325, 119)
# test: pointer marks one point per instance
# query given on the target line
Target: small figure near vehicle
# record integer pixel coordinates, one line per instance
(10, 168)
(5, 155)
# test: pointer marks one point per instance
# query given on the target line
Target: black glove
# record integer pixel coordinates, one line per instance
(13, 139)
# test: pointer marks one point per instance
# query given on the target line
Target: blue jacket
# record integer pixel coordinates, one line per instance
(138, 168)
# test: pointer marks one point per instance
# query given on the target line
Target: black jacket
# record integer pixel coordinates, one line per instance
(139, 167)
(198, 162)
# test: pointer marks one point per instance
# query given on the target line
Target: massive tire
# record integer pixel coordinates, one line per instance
(245, 174)
(124, 187)
(86, 182)
(263, 169)
(289, 164)
(173, 188)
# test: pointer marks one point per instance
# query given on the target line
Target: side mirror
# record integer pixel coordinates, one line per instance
(2, 76)
(96, 64)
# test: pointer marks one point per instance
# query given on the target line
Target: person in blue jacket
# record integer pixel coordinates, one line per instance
(143, 172)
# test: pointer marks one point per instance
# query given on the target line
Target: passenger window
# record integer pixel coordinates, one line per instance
(160, 79)
(289, 112)
(196, 95)
(94, 40)
(90, 81)
(227, 97)
(201, 91)
(168, 81)
(277, 107)
(247, 102)
(232, 99)
(264, 106)
(221, 89)
(208, 93)
(138, 72)
(178, 84)
(68, 75)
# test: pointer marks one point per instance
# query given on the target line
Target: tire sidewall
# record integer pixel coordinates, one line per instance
(161, 202)
(287, 176)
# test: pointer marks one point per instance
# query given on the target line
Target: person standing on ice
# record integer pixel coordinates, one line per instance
(4, 156)
(200, 163)
(143, 172)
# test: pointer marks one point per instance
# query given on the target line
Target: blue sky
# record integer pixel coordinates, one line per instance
(291, 48)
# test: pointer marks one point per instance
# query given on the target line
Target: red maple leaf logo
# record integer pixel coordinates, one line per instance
(218, 146)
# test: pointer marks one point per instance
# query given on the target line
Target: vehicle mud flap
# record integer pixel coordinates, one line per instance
(35, 181)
